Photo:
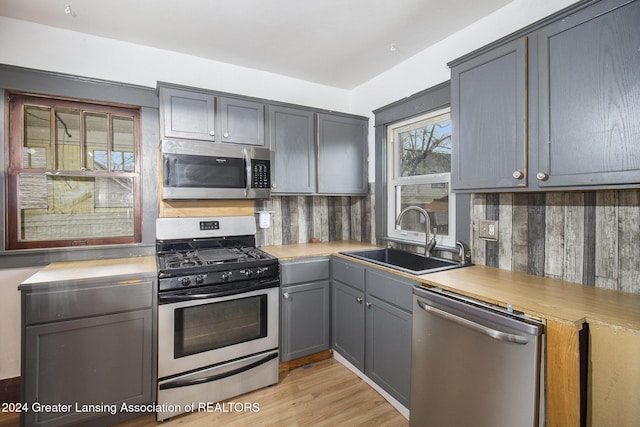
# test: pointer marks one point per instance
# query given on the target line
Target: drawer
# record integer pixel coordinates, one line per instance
(349, 273)
(395, 290)
(304, 270)
(40, 307)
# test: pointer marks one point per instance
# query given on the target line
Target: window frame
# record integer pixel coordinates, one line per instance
(14, 167)
(395, 182)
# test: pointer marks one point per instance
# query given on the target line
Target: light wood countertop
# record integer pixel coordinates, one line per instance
(93, 269)
(541, 297)
(304, 250)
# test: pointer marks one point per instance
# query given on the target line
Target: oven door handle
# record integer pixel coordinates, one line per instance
(196, 381)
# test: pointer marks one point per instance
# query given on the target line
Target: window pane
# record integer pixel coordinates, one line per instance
(37, 138)
(62, 208)
(96, 143)
(426, 149)
(123, 140)
(433, 197)
(67, 139)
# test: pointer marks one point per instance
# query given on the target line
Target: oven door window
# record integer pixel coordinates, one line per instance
(207, 327)
(184, 170)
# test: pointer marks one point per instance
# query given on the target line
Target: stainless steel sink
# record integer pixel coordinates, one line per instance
(405, 261)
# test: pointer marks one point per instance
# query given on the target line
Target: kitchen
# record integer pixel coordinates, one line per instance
(619, 207)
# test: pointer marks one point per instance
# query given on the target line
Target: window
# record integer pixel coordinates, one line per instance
(73, 174)
(419, 155)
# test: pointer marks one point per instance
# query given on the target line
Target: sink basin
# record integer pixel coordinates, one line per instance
(405, 261)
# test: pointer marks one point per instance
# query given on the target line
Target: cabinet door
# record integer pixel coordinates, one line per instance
(97, 360)
(241, 121)
(342, 155)
(388, 342)
(488, 111)
(304, 322)
(188, 114)
(347, 323)
(590, 97)
(293, 144)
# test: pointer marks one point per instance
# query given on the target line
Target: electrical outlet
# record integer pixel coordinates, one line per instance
(488, 229)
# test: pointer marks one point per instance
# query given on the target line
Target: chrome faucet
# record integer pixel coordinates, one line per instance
(463, 253)
(430, 241)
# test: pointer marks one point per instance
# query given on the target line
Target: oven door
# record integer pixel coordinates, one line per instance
(200, 332)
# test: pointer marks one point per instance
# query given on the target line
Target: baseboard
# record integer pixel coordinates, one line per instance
(10, 390)
(404, 411)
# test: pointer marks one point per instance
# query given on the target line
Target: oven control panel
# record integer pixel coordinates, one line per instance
(209, 225)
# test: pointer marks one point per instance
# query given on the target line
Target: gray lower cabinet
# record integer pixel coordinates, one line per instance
(342, 155)
(553, 107)
(88, 348)
(304, 307)
(372, 323)
(292, 138)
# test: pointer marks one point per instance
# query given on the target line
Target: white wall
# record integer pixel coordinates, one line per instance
(10, 323)
(429, 67)
(46, 48)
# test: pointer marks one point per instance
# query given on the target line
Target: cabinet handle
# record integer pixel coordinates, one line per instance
(226, 135)
(369, 305)
(518, 175)
(359, 300)
(212, 133)
(542, 176)
(285, 295)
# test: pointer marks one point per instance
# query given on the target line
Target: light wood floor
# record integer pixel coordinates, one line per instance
(324, 393)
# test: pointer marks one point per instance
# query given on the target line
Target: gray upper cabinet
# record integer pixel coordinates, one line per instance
(292, 139)
(488, 109)
(188, 114)
(241, 121)
(554, 106)
(342, 155)
(589, 94)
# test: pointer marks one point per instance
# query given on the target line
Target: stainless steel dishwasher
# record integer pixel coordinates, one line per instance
(473, 364)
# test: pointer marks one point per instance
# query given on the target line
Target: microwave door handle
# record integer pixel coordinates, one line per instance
(167, 170)
(247, 165)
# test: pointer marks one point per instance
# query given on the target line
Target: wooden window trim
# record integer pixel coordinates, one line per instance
(13, 167)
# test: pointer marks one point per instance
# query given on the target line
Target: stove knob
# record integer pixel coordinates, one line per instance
(261, 270)
(225, 276)
(185, 281)
(247, 272)
(199, 280)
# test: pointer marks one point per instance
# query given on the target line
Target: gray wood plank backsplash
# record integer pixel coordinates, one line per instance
(297, 219)
(591, 238)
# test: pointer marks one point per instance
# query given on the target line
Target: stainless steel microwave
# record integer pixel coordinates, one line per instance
(206, 170)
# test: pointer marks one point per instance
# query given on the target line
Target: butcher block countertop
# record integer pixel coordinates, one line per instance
(93, 269)
(304, 250)
(542, 297)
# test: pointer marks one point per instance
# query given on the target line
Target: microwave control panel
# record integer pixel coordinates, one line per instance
(260, 173)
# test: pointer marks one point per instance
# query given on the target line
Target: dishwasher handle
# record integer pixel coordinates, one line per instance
(493, 333)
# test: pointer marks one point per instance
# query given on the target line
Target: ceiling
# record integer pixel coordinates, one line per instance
(340, 43)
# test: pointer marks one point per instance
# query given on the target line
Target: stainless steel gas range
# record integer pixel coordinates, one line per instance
(217, 311)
